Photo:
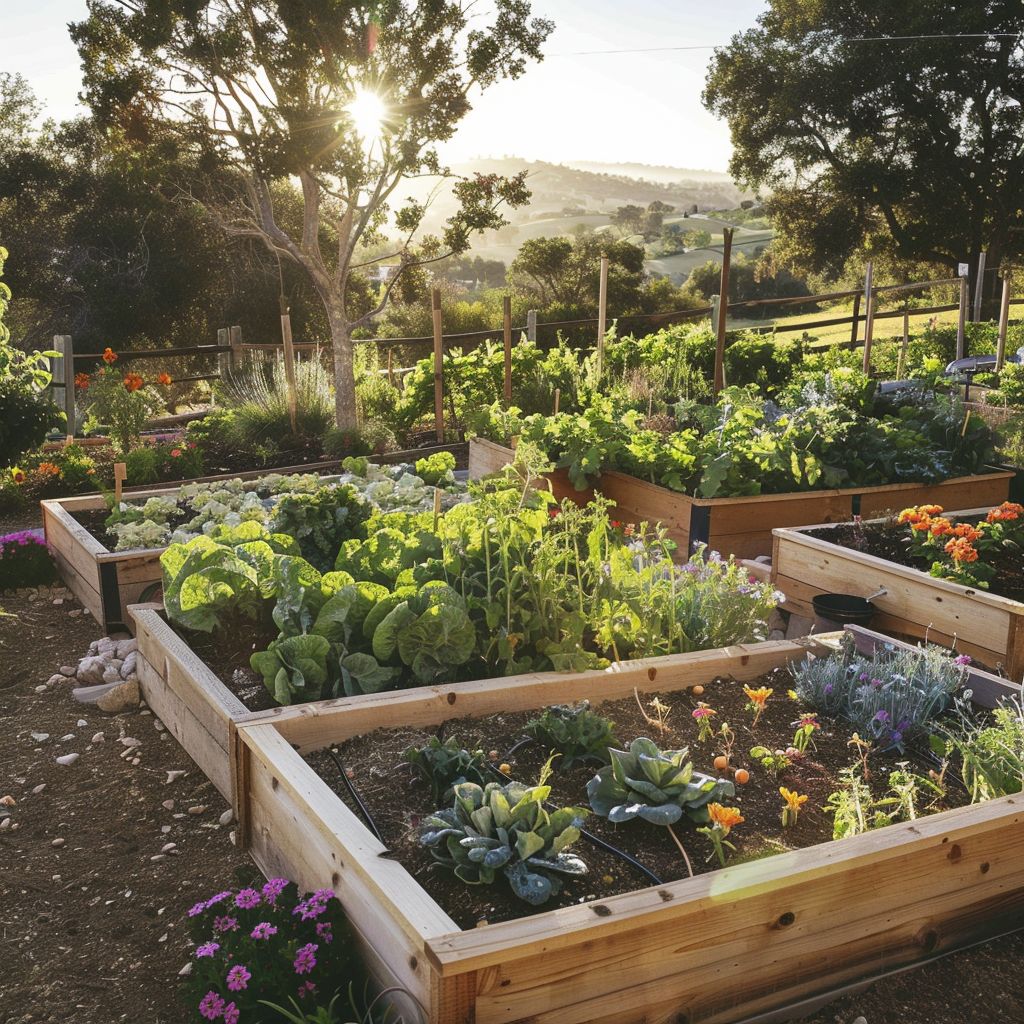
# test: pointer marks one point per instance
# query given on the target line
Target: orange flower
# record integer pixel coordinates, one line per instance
(941, 527)
(1008, 511)
(132, 382)
(48, 469)
(922, 525)
(758, 696)
(929, 510)
(966, 532)
(908, 515)
(726, 818)
(794, 801)
(109, 356)
(960, 550)
(165, 379)
(81, 381)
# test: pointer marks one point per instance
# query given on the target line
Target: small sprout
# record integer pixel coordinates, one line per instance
(727, 739)
(757, 699)
(723, 821)
(806, 725)
(794, 801)
(444, 763)
(577, 733)
(702, 715)
(863, 748)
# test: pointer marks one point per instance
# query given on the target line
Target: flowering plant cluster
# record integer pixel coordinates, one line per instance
(268, 944)
(121, 402)
(962, 551)
(25, 561)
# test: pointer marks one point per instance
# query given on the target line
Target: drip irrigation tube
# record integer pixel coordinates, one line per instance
(363, 809)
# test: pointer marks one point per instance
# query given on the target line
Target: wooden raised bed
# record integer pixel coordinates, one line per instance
(742, 527)
(107, 582)
(714, 948)
(986, 626)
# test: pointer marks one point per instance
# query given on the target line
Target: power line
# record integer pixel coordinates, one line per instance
(851, 39)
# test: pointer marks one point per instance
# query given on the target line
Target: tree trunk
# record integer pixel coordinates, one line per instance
(344, 370)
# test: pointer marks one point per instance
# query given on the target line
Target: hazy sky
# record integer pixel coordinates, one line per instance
(626, 107)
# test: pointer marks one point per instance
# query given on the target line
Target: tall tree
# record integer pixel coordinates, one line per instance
(348, 98)
(868, 139)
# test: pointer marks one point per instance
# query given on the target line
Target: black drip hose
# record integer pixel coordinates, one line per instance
(363, 809)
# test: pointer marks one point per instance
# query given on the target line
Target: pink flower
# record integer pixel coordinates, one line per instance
(197, 909)
(207, 949)
(219, 898)
(305, 958)
(238, 978)
(247, 899)
(225, 924)
(273, 889)
(211, 1006)
(263, 930)
(307, 988)
(323, 930)
(231, 1014)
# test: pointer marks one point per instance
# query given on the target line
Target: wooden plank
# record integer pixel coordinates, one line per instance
(757, 515)
(72, 547)
(487, 457)
(983, 489)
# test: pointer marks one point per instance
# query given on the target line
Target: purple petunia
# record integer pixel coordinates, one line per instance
(263, 930)
(207, 949)
(238, 978)
(273, 889)
(247, 899)
(305, 958)
(962, 660)
(323, 931)
(231, 1014)
(219, 898)
(211, 1006)
(197, 909)
(225, 924)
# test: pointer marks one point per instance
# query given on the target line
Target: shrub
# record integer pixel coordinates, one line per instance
(339, 443)
(122, 402)
(1011, 384)
(991, 752)
(25, 561)
(268, 944)
(140, 465)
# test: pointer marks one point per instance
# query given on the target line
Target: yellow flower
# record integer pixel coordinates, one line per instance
(758, 697)
(794, 800)
(17, 475)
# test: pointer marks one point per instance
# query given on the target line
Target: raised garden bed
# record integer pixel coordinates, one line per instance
(743, 527)
(987, 626)
(716, 947)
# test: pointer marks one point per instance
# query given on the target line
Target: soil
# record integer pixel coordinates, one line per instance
(373, 761)
(889, 541)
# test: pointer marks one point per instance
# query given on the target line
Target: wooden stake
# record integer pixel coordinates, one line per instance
(979, 287)
(869, 331)
(507, 316)
(961, 324)
(723, 311)
(435, 304)
(1004, 320)
(289, 366)
(64, 377)
(391, 372)
(531, 325)
(437, 506)
(904, 347)
(855, 328)
(235, 341)
(558, 395)
(120, 474)
(224, 357)
(602, 314)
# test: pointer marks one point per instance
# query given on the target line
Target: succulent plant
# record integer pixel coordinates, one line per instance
(444, 763)
(656, 785)
(577, 733)
(508, 829)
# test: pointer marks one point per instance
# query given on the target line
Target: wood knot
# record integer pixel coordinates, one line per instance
(274, 783)
(955, 853)
(413, 963)
(601, 910)
(984, 869)
(786, 919)
(450, 698)
(929, 940)
(335, 878)
(665, 895)
(651, 673)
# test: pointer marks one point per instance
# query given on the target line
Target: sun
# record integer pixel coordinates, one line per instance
(368, 112)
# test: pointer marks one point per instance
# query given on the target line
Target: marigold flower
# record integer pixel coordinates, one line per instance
(165, 379)
(48, 469)
(929, 510)
(941, 527)
(132, 382)
(908, 515)
(1008, 511)
(794, 801)
(725, 818)
(960, 550)
(109, 355)
(82, 381)
(967, 532)
(922, 525)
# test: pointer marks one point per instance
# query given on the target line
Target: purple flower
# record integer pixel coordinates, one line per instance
(904, 724)
(863, 677)
(828, 689)
(207, 949)
(307, 988)
(211, 1006)
(263, 930)
(962, 659)
(238, 978)
(882, 717)
(247, 899)
(231, 1014)
(197, 909)
(225, 924)
(273, 889)
(310, 908)
(323, 930)
(305, 958)
(896, 737)
(219, 898)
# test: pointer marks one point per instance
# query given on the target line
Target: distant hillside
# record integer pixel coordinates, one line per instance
(650, 172)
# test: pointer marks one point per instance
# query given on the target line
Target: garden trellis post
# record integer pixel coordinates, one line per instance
(855, 321)
(722, 311)
(979, 287)
(64, 378)
(869, 330)
(224, 357)
(507, 318)
(531, 325)
(961, 323)
(1004, 320)
(435, 308)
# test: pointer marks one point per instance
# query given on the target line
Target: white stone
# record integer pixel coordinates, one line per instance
(57, 842)
(173, 775)
(38, 789)
(111, 674)
(82, 723)
(168, 805)
(197, 809)
(55, 679)
(159, 856)
(129, 742)
(126, 647)
(90, 671)
(41, 688)
(40, 737)
(67, 738)
(98, 737)
(167, 847)
(5, 823)
(128, 665)
(165, 829)
(106, 644)
(185, 971)
(227, 817)
(67, 759)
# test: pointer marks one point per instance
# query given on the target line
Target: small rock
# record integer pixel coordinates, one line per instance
(66, 738)
(57, 842)
(128, 666)
(859, 1020)
(197, 810)
(68, 759)
(106, 644)
(165, 829)
(90, 671)
(75, 612)
(173, 775)
(58, 601)
(7, 800)
(41, 688)
(121, 697)
(135, 760)
(129, 742)
(227, 817)
(5, 823)
(168, 805)
(158, 725)
(159, 856)
(167, 847)
(67, 670)
(231, 837)
(98, 737)
(38, 789)
(112, 674)
(126, 647)
(82, 723)
(55, 679)
(185, 971)
(40, 737)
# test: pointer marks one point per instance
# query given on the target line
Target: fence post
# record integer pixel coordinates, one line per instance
(224, 357)
(602, 315)
(905, 346)
(722, 311)
(507, 316)
(869, 331)
(435, 303)
(531, 325)
(855, 328)
(237, 352)
(64, 377)
(979, 287)
(289, 362)
(1004, 320)
(961, 324)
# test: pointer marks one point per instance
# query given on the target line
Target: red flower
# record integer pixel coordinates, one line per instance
(175, 453)
(81, 381)
(165, 379)
(132, 382)
(109, 355)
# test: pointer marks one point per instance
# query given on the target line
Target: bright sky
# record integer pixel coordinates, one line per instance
(637, 108)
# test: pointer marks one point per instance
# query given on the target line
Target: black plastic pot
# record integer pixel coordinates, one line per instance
(844, 609)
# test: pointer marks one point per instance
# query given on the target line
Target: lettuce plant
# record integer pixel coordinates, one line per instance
(322, 520)
(655, 785)
(294, 669)
(507, 829)
(577, 733)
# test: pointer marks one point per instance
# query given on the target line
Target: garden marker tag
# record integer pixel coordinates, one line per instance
(120, 474)
(437, 506)
(70, 439)
(964, 270)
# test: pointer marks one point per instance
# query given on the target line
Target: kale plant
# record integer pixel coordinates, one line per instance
(444, 763)
(577, 733)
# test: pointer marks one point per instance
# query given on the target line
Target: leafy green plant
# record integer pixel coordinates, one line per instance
(294, 669)
(990, 752)
(507, 829)
(855, 809)
(123, 403)
(444, 763)
(654, 785)
(437, 468)
(773, 762)
(576, 733)
(321, 521)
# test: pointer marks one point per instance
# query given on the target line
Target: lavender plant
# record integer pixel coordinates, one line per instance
(889, 697)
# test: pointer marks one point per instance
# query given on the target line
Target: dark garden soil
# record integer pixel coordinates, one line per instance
(889, 541)
(374, 764)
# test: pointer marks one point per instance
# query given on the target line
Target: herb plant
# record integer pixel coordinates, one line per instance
(991, 753)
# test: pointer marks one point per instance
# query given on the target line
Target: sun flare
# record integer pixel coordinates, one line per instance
(368, 111)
